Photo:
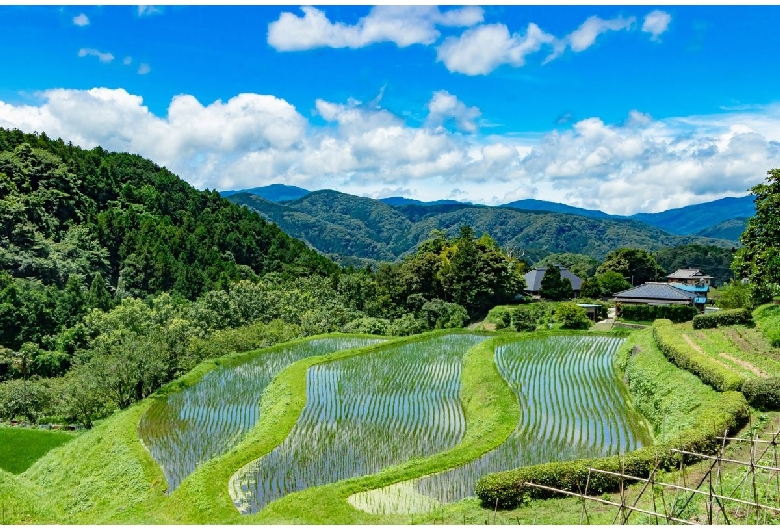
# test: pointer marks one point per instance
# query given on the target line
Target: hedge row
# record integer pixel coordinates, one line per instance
(764, 394)
(674, 348)
(675, 313)
(727, 317)
(508, 489)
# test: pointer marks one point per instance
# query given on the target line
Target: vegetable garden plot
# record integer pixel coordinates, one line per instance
(570, 408)
(211, 417)
(363, 414)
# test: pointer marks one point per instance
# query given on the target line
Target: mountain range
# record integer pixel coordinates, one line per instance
(356, 230)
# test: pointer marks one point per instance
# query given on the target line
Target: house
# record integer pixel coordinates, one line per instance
(689, 277)
(659, 293)
(533, 280)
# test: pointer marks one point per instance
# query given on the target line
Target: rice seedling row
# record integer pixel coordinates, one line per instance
(570, 407)
(363, 414)
(210, 417)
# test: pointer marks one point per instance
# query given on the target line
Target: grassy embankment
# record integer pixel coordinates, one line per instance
(674, 401)
(106, 475)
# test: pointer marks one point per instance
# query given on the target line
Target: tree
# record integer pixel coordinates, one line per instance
(758, 259)
(98, 296)
(734, 295)
(580, 264)
(572, 316)
(554, 286)
(635, 264)
(611, 282)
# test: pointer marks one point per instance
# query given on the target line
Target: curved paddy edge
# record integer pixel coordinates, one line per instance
(490, 408)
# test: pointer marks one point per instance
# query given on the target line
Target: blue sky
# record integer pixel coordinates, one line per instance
(621, 108)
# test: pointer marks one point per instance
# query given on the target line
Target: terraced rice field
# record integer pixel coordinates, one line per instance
(570, 407)
(363, 414)
(211, 417)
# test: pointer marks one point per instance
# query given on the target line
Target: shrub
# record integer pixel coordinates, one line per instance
(508, 489)
(572, 316)
(440, 314)
(371, 325)
(501, 317)
(727, 317)
(523, 320)
(406, 325)
(768, 319)
(764, 394)
(674, 348)
(675, 313)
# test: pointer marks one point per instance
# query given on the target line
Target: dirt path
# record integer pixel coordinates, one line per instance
(744, 364)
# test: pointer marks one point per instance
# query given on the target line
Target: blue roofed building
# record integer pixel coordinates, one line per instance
(658, 293)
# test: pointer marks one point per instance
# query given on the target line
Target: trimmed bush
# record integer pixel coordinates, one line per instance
(763, 394)
(727, 317)
(675, 313)
(572, 316)
(674, 348)
(508, 489)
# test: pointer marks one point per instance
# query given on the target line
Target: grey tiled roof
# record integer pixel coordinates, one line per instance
(655, 291)
(533, 279)
(687, 274)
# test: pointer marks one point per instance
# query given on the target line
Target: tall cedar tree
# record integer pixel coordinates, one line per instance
(554, 286)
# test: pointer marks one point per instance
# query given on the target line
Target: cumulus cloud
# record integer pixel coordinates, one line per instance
(480, 50)
(81, 20)
(128, 61)
(144, 69)
(639, 164)
(444, 106)
(402, 25)
(104, 57)
(656, 22)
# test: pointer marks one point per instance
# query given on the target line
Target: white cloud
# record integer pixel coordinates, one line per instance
(128, 61)
(81, 20)
(144, 69)
(480, 50)
(145, 11)
(402, 25)
(585, 36)
(104, 57)
(251, 139)
(444, 106)
(656, 22)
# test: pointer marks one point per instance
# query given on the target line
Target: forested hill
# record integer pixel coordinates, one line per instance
(346, 225)
(67, 212)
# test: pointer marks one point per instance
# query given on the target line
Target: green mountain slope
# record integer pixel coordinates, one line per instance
(730, 229)
(547, 206)
(338, 223)
(67, 212)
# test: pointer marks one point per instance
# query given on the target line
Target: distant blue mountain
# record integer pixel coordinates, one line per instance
(402, 201)
(547, 206)
(697, 217)
(273, 192)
